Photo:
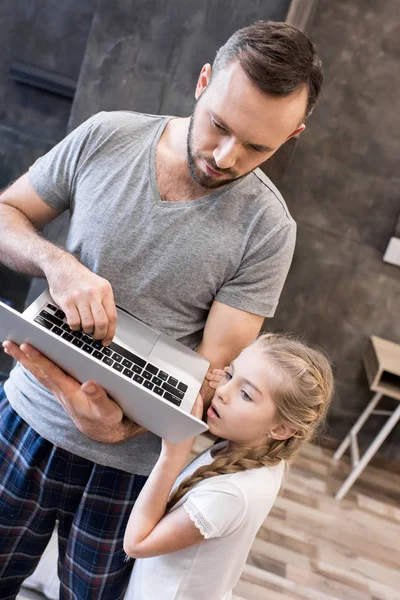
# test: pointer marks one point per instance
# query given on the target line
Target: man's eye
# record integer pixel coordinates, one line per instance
(217, 125)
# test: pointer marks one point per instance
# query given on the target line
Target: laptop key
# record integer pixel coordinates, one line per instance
(67, 336)
(77, 342)
(151, 368)
(127, 354)
(146, 375)
(87, 348)
(86, 339)
(78, 334)
(182, 386)
(173, 381)
(157, 380)
(107, 360)
(66, 327)
(128, 373)
(43, 322)
(172, 398)
(118, 367)
(138, 378)
(163, 375)
(106, 351)
(137, 369)
(97, 354)
(97, 344)
(172, 390)
(59, 313)
(127, 363)
(158, 391)
(50, 306)
(57, 330)
(51, 318)
(148, 385)
(116, 357)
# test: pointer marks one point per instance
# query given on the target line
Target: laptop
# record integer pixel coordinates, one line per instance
(154, 378)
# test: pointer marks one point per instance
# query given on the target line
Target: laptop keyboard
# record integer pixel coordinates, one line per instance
(115, 356)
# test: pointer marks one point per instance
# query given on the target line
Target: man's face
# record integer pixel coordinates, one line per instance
(235, 127)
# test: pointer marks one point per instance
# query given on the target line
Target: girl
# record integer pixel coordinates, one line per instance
(191, 533)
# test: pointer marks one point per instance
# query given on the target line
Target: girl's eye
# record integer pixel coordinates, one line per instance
(228, 376)
(246, 396)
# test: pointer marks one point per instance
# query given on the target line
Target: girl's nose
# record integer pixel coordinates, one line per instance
(223, 391)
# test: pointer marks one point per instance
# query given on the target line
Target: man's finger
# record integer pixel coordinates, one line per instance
(102, 405)
(85, 316)
(111, 312)
(100, 320)
(72, 315)
(56, 377)
(20, 355)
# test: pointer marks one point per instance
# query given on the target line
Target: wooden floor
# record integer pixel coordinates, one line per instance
(312, 547)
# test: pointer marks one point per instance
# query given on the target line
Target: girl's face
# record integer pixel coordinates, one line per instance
(242, 409)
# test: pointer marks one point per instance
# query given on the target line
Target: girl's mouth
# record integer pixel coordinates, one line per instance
(212, 413)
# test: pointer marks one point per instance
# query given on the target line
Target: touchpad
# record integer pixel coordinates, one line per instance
(135, 334)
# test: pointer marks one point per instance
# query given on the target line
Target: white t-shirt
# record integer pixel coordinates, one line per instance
(228, 510)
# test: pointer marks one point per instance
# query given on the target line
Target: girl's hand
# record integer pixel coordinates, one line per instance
(214, 377)
(180, 451)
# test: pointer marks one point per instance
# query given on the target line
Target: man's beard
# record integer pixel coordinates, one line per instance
(196, 173)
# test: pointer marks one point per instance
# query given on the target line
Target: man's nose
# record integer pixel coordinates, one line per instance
(226, 153)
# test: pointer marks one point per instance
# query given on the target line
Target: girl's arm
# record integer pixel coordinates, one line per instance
(150, 532)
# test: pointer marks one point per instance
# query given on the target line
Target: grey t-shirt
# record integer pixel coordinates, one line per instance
(166, 261)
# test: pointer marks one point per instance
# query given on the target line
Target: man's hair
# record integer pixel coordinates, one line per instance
(276, 57)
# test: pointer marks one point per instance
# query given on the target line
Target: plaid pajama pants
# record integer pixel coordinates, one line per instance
(40, 483)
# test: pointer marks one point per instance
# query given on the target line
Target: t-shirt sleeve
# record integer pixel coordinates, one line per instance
(53, 175)
(257, 285)
(216, 508)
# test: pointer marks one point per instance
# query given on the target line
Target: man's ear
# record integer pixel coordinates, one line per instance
(297, 131)
(203, 80)
(282, 432)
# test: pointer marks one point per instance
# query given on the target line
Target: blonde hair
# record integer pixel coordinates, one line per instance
(301, 388)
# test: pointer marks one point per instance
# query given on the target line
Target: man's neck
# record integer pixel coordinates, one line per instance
(173, 158)
(174, 138)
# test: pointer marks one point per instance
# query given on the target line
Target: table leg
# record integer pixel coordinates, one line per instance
(369, 453)
(356, 428)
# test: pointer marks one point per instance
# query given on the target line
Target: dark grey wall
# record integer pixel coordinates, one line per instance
(146, 55)
(51, 35)
(46, 34)
(343, 188)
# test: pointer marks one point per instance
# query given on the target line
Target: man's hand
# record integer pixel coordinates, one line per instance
(93, 412)
(86, 299)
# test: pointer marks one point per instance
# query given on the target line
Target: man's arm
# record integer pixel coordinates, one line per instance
(227, 331)
(86, 298)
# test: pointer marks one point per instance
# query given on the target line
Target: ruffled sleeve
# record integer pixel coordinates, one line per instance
(217, 507)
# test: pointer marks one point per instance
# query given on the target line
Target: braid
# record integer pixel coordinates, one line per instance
(302, 388)
(238, 459)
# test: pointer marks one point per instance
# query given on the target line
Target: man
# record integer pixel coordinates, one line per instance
(170, 218)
